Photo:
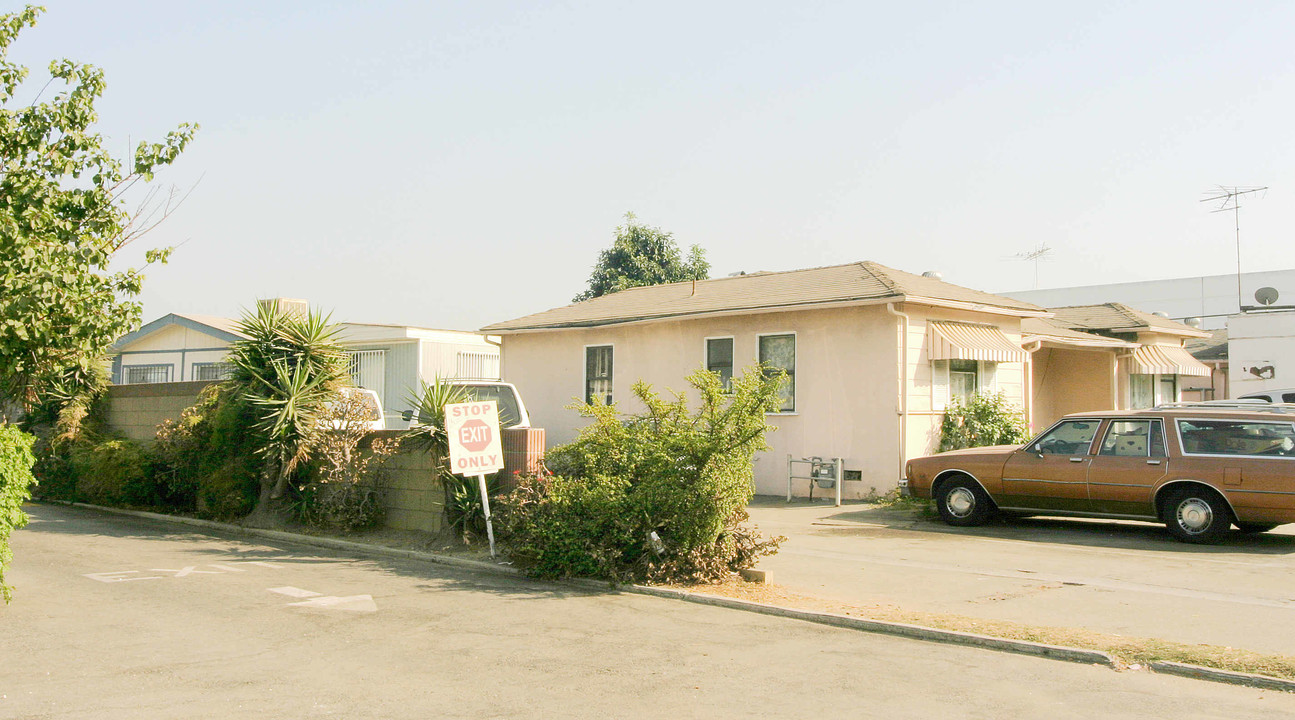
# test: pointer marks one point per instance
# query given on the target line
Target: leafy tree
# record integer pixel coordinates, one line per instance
(286, 370)
(62, 219)
(643, 255)
(16, 480)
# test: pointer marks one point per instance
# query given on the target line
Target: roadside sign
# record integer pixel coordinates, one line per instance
(473, 431)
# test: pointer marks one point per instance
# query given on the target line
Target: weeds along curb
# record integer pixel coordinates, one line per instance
(915, 632)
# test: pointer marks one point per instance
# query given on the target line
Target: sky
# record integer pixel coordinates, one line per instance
(455, 164)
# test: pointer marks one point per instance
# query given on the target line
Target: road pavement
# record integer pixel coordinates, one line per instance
(117, 617)
(1125, 578)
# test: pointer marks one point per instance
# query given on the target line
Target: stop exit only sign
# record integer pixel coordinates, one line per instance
(473, 430)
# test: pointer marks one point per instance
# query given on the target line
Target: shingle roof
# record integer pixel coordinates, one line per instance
(765, 291)
(1214, 347)
(1118, 317)
(1048, 329)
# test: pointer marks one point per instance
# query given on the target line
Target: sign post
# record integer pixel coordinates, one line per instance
(473, 431)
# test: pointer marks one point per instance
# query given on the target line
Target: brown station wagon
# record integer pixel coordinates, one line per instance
(1199, 469)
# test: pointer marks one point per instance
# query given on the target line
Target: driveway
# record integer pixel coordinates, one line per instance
(1125, 578)
(117, 617)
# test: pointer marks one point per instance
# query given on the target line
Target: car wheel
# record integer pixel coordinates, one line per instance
(963, 502)
(1249, 528)
(1197, 515)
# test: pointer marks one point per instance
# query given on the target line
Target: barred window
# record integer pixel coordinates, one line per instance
(212, 371)
(141, 374)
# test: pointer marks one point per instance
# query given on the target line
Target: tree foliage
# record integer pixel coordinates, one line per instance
(659, 496)
(287, 370)
(16, 480)
(643, 255)
(984, 420)
(62, 219)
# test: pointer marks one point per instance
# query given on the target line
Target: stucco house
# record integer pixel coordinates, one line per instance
(874, 355)
(1107, 356)
(388, 359)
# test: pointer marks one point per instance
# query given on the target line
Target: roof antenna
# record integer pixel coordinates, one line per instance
(1229, 198)
(1042, 252)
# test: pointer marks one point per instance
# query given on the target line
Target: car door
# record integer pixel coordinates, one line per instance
(1130, 462)
(1051, 473)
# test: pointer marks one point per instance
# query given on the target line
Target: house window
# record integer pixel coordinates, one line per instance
(1151, 390)
(212, 371)
(719, 359)
(961, 380)
(778, 352)
(142, 374)
(476, 365)
(598, 373)
(368, 369)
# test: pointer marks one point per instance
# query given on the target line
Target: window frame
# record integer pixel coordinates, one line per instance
(225, 375)
(611, 375)
(732, 358)
(1178, 430)
(795, 341)
(170, 373)
(1032, 446)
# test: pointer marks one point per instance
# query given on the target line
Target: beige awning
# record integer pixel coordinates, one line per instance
(1167, 360)
(962, 341)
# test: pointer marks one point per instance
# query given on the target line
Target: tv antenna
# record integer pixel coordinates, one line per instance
(1229, 198)
(1042, 252)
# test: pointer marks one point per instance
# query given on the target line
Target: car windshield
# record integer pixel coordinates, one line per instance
(1071, 437)
(509, 412)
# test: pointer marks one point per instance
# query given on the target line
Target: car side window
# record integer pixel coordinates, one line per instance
(1072, 437)
(1237, 437)
(1133, 438)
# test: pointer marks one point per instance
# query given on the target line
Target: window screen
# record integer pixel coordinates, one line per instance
(598, 374)
(778, 352)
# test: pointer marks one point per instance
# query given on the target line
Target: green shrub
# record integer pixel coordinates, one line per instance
(985, 420)
(16, 460)
(346, 507)
(659, 496)
(114, 472)
(206, 460)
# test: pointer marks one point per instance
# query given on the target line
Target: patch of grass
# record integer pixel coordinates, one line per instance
(892, 500)
(1127, 651)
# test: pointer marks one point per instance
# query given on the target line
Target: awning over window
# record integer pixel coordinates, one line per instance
(961, 341)
(1167, 360)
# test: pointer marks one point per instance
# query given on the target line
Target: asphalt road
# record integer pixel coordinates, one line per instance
(1126, 578)
(116, 617)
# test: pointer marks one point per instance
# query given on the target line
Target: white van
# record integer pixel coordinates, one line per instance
(1281, 395)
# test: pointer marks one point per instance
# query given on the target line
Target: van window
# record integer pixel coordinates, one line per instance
(509, 411)
(1237, 437)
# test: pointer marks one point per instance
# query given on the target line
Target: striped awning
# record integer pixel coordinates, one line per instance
(963, 341)
(1167, 360)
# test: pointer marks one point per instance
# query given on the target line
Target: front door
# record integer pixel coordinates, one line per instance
(1051, 473)
(1130, 462)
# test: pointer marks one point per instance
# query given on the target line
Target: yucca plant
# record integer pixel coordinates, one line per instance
(462, 495)
(289, 366)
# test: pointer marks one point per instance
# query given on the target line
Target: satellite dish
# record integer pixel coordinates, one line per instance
(1266, 295)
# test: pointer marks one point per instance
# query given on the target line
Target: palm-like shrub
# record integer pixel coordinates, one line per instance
(286, 370)
(462, 496)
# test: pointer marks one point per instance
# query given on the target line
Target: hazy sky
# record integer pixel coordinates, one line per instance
(456, 164)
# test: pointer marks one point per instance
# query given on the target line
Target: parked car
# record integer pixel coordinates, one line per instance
(1284, 395)
(1197, 468)
(512, 411)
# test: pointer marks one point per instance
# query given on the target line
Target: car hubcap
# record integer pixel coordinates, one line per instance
(961, 502)
(1195, 515)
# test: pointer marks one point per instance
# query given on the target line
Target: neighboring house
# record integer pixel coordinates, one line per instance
(1213, 351)
(1108, 356)
(1212, 298)
(391, 360)
(874, 356)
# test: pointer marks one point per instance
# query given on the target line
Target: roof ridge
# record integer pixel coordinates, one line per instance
(871, 266)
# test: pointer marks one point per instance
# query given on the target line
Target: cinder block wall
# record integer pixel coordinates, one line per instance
(410, 489)
(136, 410)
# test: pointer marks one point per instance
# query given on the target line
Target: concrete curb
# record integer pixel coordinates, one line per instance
(1196, 672)
(914, 632)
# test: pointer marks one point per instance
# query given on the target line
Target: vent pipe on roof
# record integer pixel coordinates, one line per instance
(1193, 322)
(933, 274)
(1161, 313)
